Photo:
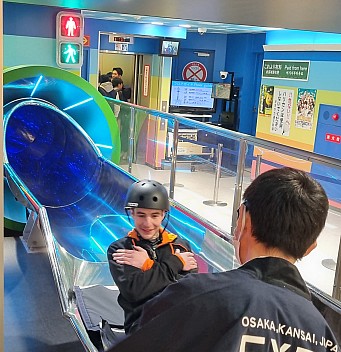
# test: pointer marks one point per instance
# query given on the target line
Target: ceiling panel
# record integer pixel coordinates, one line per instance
(314, 15)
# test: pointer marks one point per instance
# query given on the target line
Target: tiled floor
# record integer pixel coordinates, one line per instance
(193, 188)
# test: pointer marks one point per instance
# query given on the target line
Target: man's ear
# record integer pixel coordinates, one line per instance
(310, 248)
(248, 222)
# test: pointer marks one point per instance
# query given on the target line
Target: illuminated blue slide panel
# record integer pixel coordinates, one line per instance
(83, 193)
(69, 93)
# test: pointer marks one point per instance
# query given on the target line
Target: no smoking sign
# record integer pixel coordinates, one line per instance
(194, 71)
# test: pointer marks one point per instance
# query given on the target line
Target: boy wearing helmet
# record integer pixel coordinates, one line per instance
(149, 258)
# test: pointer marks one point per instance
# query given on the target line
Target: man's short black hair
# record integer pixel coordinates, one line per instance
(118, 70)
(288, 210)
(116, 81)
(104, 78)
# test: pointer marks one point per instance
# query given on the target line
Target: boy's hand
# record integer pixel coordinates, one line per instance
(134, 257)
(189, 259)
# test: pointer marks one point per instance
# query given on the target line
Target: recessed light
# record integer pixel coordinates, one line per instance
(185, 25)
(158, 23)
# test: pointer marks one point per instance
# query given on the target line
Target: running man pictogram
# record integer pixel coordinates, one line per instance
(71, 53)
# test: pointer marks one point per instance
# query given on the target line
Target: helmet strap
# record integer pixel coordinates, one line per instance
(128, 214)
(167, 221)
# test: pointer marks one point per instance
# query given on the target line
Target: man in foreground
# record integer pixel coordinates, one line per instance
(264, 305)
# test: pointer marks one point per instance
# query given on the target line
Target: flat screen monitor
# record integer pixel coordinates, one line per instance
(191, 97)
(169, 47)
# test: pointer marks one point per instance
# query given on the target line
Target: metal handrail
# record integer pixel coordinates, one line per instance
(256, 141)
(244, 140)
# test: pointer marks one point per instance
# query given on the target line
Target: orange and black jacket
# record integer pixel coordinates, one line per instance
(136, 285)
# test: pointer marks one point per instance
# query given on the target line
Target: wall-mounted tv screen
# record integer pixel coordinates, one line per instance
(169, 47)
(191, 97)
(222, 91)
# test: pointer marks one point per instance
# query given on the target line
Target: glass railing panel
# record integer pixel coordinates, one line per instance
(196, 183)
(205, 173)
(150, 147)
(324, 258)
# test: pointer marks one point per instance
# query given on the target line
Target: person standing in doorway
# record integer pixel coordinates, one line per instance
(117, 84)
(126, 91)
(106, 88)
(122, 114)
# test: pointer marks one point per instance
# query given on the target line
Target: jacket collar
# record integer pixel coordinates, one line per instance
(107, 86)
(167, 237)
(278, 272)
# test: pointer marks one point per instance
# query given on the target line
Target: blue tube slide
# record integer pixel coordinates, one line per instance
(61, 148)
(66, 164)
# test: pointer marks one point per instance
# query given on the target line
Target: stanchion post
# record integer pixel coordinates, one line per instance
(239, 181)
(174, 157)
(215, 202)
(131, 139)
(337, 279)
(258, 163)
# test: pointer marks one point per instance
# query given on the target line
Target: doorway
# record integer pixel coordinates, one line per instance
(109, 60)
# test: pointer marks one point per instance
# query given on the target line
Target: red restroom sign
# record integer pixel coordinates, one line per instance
(194, 71)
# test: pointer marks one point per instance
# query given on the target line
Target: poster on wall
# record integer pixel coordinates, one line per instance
(282, 111)
(146, 73)
(305, 108)
(265, 100)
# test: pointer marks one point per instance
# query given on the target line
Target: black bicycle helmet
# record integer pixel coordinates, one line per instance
(147, 194)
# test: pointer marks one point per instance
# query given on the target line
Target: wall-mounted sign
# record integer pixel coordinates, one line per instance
(194, 71)
(146, 74)
(86, 40)
(121, 39)
(296, 70)
(333, 138)
(69, 25)
(69, 54)
(69, 39)
(121, 47)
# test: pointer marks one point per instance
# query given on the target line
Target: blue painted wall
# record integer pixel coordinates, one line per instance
(30, 20)
(208, 41)
(325, 66)
(93, 26)
(287, 36)
(29, 34)
(29, 38)
(214, 43)
(244, 55)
